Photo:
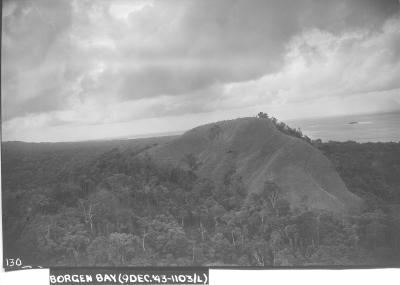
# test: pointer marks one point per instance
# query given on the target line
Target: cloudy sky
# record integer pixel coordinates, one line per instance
(77, 70)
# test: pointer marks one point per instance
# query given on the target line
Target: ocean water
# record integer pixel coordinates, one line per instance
(383, 127)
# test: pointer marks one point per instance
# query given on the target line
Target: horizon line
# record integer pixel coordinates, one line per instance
(179, 132)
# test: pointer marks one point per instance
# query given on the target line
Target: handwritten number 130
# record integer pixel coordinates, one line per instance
(11, 262)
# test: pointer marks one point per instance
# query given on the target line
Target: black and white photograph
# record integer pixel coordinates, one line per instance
(194, 133)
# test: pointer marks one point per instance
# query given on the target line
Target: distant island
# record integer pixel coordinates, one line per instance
(359, 123)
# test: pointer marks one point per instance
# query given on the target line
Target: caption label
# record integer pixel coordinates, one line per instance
(128, 276)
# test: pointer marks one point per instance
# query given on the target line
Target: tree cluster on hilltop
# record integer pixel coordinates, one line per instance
(284, 128)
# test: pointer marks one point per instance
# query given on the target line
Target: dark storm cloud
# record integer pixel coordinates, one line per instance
(78, 55)
(338, 15)
(238, 40)
(184, 78)
(46, 102)
(31, 28)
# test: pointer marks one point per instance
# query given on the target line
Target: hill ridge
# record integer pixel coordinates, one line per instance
(258, 152)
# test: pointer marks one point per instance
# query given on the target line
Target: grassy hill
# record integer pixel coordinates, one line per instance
(256, 152)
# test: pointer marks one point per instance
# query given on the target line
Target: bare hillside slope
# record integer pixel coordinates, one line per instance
(256, 151)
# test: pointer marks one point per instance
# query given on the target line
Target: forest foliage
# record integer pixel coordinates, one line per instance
(115, 207)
